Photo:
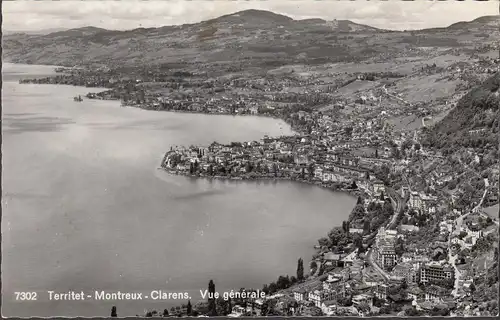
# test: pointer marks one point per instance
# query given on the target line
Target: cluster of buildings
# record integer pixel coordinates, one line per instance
(326, 154)
(348, 151)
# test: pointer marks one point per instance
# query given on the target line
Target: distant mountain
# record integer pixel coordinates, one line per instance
(250, 36)
(78, 32)
(485, 23)
(252, 16)
(32, 32)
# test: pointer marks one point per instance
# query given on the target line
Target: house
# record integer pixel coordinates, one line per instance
(253, 110)
(435, 293)
(406, 271)
(332, 259)
(414, 293)
(318, 296)
(237, 311)
(415, 202)
(341, 273)
(378, 187)
(331, 283)
(362, 299)
(355, 230)
(408, 228)
(381, 291)
(318, 173)
(329, 307)
(300, 294)
(428, 203)
(349, 259)
(347, 311)
(363, 184)
(257, 307)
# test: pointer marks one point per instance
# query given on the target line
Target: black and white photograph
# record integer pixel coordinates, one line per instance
(251, 158)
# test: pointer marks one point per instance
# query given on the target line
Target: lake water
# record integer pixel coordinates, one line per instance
(84, 206)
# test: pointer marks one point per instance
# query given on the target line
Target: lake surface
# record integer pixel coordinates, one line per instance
(84, 206)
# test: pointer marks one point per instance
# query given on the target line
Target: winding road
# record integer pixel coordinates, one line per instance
(399, 206)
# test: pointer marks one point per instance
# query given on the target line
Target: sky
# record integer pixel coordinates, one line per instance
(38, 15)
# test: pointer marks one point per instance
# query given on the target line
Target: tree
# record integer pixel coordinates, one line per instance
(229, 306)
(211, 299)
(311, 170)
(399, 247)
(189, 308)
(316, 312)
(357, 239)
(337, 236)
(300, 269)
(283, 282)
(265, 308)
(113, 312)
(396, 153)
(324, 242)
(265, 289)
(358, 212)
(165, 312)
(275, 169)
(360, 200)
(248, 167)
(366, 227)
(354, 185)
(376, 153)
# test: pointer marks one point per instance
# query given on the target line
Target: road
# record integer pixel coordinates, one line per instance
(451, 260)
(398, 203)
(395, 97)
(476, 208)
(375, 266)
(399, 206)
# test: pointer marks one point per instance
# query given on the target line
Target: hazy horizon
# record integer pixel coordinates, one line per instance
(49, 16)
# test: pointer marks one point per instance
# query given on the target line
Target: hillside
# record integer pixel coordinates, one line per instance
(260, 36)
(474, 121)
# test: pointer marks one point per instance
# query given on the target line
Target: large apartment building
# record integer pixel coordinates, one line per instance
(384, 249)
(434, 271)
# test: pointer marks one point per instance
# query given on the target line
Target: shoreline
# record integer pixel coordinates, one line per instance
(352, 193)
(203, 113)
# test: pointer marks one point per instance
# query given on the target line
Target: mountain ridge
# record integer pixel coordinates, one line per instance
(239, 36)
(250, 13)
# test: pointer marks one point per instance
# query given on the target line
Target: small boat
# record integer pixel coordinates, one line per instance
(78, 99)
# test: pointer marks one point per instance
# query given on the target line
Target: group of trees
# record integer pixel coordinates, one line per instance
(283, 282)
(415, 219)
(185, 309)
(478, 109)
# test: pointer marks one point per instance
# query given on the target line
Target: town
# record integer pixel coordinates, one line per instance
(423, 236)
(412, 135)
(412, 243)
